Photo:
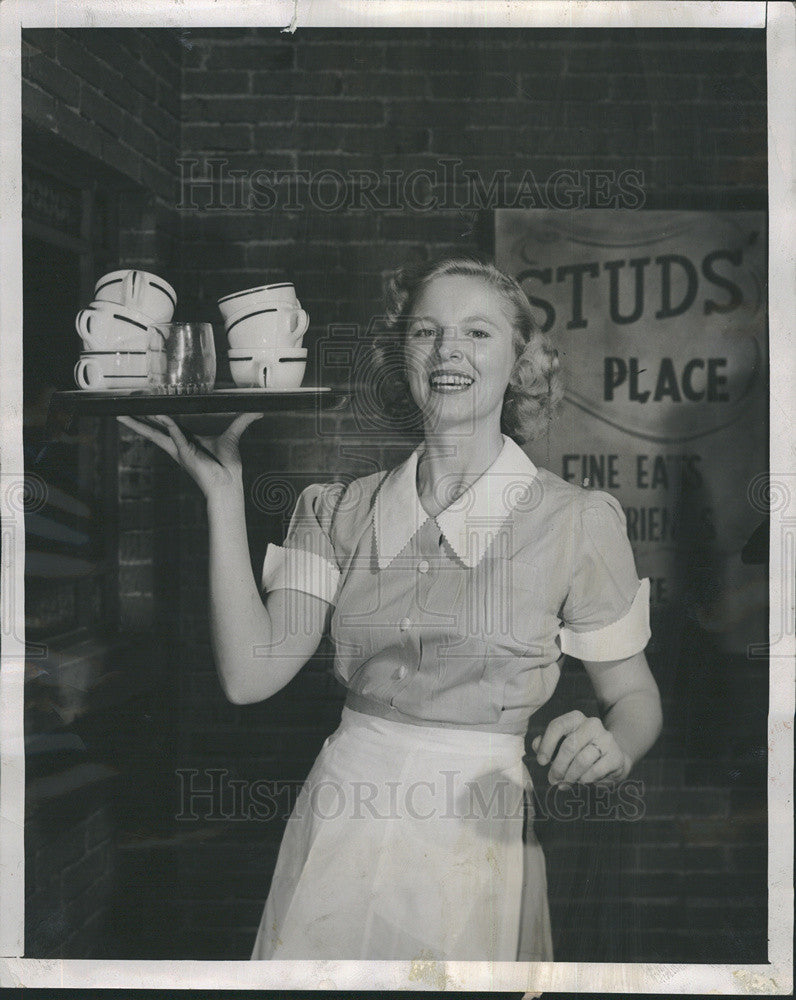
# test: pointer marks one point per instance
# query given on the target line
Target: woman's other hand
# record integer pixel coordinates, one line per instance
(213, 475)
(594, 749)
(587, 751)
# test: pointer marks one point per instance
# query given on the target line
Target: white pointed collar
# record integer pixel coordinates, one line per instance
(469, 523)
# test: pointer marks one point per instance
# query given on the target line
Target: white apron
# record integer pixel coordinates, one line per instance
(406, 842)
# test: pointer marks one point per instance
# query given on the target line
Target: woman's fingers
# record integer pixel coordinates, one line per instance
(612, 766)
(555, 732)
(598, 759)
(580, 741)
(240, 423)
(160, 438)
(570, 747)
(587, 758)
(230, 439)
(187, 450)
(171, 439)
(587, 751)
(203, 458)
(572, 731)
(177, 436)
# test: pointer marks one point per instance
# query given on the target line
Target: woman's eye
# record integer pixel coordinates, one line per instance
(478, 332)
(424, 331)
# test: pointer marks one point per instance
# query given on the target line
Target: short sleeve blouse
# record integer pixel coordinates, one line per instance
(461, 619)
(605, 595)
(306, 561)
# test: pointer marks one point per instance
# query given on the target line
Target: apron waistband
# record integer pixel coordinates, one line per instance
(367, 706)
(468, 742)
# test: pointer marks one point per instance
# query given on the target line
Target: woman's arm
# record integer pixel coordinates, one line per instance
(258, 647)
(595, 749)
(629, 701)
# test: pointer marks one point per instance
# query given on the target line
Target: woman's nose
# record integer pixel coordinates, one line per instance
(447, 343)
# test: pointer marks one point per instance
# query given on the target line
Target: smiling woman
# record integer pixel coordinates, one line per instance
(444, 657)
(450, 586)
(498, 305)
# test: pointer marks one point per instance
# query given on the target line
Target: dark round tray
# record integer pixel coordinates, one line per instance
(134, 402)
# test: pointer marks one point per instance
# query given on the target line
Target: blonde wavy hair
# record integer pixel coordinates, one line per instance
(535, 389)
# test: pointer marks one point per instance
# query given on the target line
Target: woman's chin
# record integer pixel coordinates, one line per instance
(442, 418)
(439, 400)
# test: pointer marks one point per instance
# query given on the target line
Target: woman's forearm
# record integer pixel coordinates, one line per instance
(635, 722)
(259, 646)
(239, 621)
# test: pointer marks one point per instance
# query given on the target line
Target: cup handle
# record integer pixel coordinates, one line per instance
(82, 380)
(129, 282)
(302, 322)
(80, 323)
(262, 376)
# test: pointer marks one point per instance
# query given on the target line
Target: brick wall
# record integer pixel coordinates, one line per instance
(687, 113)
(106, 102)
(113, 95)
(70, 869)
(686, 881)
(111, 98)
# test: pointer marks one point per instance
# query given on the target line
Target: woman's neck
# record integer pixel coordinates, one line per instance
(449, 463)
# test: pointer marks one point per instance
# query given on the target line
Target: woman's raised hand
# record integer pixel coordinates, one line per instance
(587, 751)
(212, 474)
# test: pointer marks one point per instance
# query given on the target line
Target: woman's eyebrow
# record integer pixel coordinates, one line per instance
(415, 320)
(467, 319)
(479, 319)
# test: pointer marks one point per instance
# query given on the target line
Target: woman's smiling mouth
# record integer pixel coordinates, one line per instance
(449, 381)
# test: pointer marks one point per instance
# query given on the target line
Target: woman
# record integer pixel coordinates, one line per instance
(451, 586)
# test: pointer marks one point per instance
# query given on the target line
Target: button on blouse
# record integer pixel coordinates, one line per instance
(461, 619)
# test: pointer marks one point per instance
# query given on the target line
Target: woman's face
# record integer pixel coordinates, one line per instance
(459, 351)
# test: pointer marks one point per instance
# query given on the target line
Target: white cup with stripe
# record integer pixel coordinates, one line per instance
(268, 368)
(107, 326)
(282, 293)
(139, 290)
(268, 326)
(106, 371)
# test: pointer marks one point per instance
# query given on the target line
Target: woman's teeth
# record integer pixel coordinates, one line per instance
(450, 381)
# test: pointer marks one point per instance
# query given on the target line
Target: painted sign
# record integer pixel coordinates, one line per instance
(660, 323)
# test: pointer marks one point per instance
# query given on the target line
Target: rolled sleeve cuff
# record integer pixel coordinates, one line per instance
(622, 638)
(297, 569)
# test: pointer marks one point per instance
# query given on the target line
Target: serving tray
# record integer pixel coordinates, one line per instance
(65, 405)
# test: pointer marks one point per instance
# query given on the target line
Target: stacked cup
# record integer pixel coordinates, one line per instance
(116, 327)
(265, 327)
